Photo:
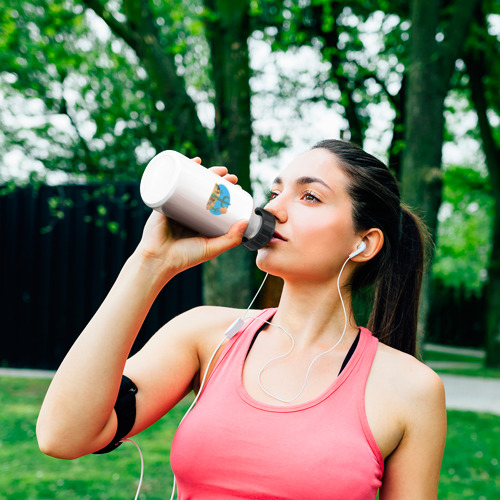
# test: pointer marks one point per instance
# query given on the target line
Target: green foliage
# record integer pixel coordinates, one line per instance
(464, 235)
(77, 98)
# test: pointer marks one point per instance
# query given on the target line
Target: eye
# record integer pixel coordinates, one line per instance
(308, 196)
(271, 195)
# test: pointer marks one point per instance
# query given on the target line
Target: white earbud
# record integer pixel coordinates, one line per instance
(361, 248)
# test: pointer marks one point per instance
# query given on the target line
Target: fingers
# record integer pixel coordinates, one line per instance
(223, 172)
(215, 246)
(219, 170)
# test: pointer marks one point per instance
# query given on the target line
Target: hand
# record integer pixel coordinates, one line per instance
(177, 248)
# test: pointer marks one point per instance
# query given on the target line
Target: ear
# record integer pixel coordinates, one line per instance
(374, 240)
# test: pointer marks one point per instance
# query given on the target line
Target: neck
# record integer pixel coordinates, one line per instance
(314, 313)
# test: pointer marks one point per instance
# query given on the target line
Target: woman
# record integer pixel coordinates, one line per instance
(340, 416)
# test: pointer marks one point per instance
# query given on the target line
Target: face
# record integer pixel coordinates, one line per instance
(314, 228)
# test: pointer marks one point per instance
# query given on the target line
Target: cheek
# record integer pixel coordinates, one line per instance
(323, 230)
(329, 239)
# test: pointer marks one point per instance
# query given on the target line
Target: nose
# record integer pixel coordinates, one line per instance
(277, 207)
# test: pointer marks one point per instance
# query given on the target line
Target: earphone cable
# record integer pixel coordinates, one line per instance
(208, 366)
(293, 343)
(255, 296)
(142, 466)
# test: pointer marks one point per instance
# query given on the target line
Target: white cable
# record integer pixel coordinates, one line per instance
(197, 397)
(142, 467)
(255, 296)
(293, 343)
(227, 334)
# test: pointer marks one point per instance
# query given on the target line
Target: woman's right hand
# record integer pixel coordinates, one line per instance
(176, 248)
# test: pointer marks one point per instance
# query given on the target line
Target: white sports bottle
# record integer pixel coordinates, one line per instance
(197, 198)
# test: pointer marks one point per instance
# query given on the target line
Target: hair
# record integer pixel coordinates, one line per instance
(396, 271)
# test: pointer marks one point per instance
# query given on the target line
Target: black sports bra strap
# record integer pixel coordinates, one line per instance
(346, 359)
(351, 352)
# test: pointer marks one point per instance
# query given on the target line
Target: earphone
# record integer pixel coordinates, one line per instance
(361, 248)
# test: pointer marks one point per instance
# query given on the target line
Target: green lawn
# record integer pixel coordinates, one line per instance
(470, 468)
(459, 364)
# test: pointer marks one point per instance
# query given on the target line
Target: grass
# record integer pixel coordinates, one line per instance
(451, 357)
(459, 364)
(25, 473)
(470, 467)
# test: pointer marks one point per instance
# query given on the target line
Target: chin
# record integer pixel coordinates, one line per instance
(267, 264)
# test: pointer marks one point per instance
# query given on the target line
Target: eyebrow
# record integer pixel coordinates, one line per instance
(305, 180)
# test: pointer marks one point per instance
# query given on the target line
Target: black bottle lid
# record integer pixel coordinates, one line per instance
(265, 232)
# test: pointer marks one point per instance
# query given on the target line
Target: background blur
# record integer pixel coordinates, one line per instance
(91, 90)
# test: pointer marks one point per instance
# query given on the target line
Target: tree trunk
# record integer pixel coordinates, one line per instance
(396, 149)
(228, 279)
(477, 68)
(431, 66)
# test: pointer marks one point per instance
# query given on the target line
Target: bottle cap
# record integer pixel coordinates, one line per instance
(265, 232)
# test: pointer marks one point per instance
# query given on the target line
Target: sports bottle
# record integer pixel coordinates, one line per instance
(183, 190)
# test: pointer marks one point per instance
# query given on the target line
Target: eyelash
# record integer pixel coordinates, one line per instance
(308, 193)
(273, 194)
(270, 195)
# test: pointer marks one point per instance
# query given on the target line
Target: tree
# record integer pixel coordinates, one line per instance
(483, 70)
(228, 30)
(134, 91)
(437, 37)
(96, 110)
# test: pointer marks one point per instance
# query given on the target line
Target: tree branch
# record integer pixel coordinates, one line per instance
(119, 29)
(141, 33)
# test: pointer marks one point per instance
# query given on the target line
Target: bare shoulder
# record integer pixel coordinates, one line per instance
(206, 320)
(205, 325)
(408, 414)
(405, 401)
(407, 378)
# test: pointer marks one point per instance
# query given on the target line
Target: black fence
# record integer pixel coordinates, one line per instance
(457, 318)
(61, 248)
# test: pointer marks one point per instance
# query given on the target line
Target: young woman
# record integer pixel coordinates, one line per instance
(342, 414)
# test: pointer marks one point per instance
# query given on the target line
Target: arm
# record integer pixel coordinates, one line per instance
(77, 414)
(412, 470)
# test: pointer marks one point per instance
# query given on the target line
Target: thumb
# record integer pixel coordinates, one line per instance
(215, 246)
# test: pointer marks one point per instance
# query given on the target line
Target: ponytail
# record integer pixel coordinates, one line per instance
(396, 272)
(394, 315)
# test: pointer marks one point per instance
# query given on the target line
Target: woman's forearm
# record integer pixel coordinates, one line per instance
(77, 408)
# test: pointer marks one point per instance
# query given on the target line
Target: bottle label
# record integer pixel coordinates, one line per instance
(219, 200)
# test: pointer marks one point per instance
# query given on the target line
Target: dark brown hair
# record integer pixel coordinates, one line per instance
(396, 271)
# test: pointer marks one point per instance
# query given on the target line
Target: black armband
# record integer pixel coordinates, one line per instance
(125, 412)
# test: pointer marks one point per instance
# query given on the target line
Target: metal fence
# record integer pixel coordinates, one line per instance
(61, 248)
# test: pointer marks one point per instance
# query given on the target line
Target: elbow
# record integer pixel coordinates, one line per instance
(53, 448)
(55, 445)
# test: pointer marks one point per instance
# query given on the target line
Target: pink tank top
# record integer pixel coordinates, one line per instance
(233, 447)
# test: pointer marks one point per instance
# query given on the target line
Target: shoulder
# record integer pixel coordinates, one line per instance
(414, 384)
(210, 318)
(206, 325)
(410, 400)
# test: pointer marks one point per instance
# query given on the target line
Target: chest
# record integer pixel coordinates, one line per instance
(250, 450)
(294, 380)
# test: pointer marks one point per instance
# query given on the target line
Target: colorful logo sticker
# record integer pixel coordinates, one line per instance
(219, 200)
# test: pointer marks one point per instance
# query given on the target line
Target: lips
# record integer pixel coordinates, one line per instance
(278, 236)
